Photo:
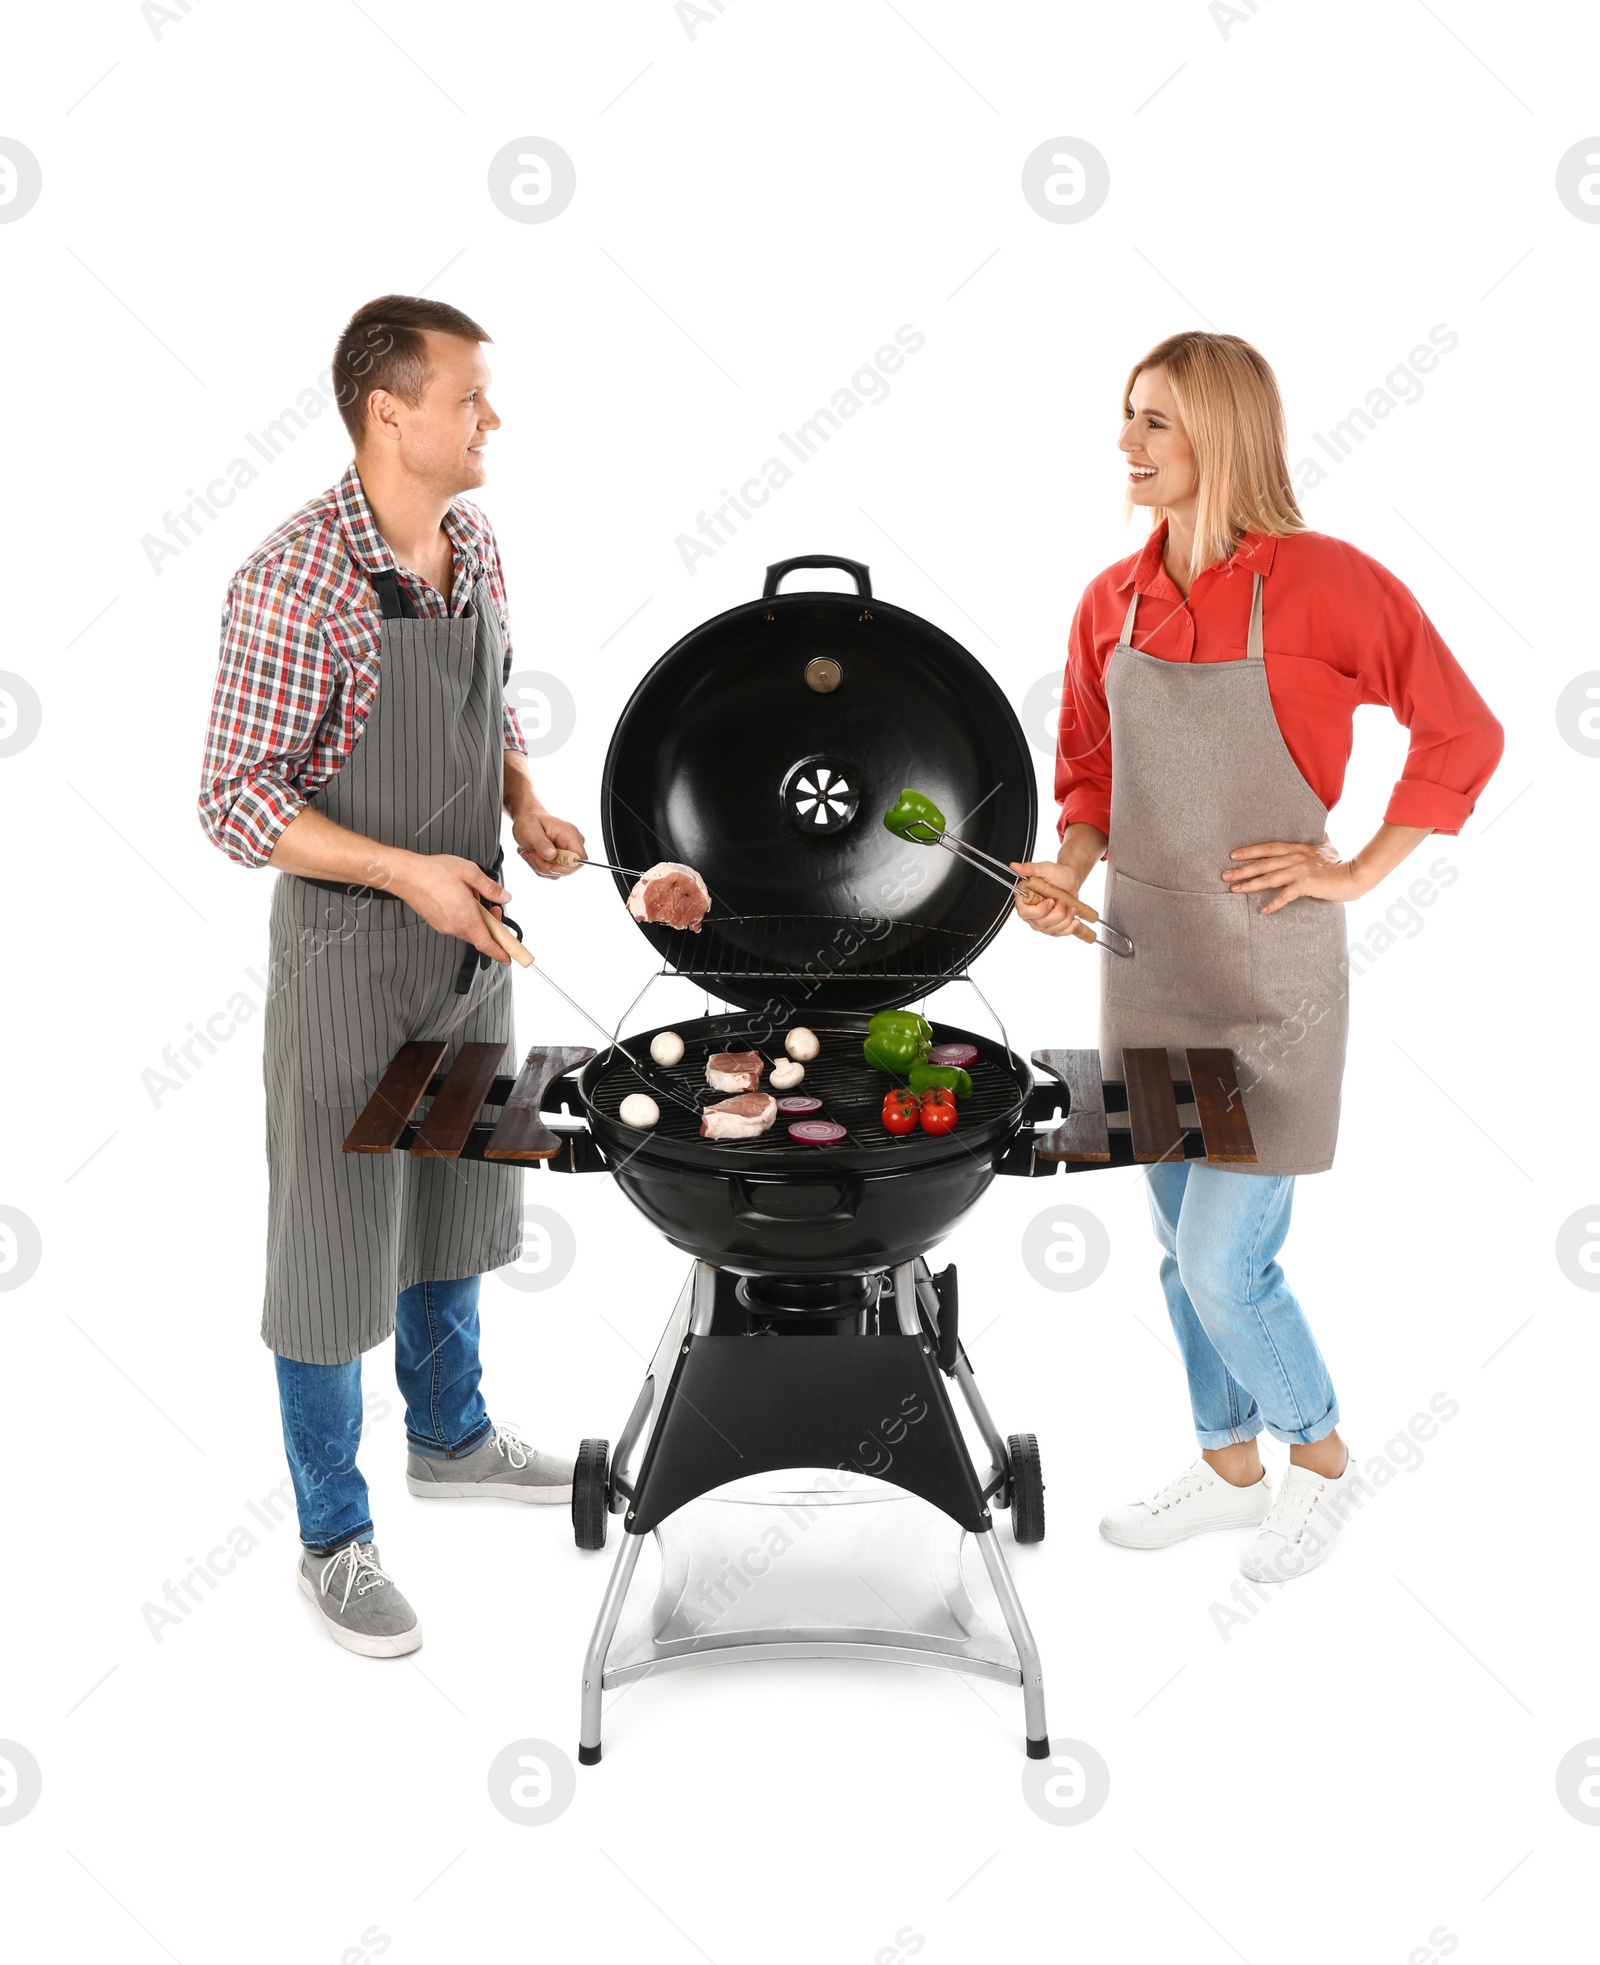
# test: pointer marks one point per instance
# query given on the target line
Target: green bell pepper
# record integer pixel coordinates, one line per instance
(911, 810)
(896, 1040)
(894, 1018)
(950, 1076)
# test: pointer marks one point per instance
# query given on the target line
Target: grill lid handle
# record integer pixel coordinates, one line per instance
(853, 567)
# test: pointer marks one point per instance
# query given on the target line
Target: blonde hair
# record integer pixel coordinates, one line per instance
(1227, 396)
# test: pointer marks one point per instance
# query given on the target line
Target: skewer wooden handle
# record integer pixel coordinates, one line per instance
(565, 857)
(508, 941)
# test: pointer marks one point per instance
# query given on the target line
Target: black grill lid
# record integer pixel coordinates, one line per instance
(764, 750)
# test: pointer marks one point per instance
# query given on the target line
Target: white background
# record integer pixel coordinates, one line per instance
(1371, 1758)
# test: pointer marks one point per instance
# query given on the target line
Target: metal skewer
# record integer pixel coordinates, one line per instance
(567, 858)
(514, 947)
(923, 834)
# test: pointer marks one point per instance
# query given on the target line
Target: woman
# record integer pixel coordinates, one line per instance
(1205, 725)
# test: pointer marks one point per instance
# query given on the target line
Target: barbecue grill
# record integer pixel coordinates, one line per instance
(762, 750)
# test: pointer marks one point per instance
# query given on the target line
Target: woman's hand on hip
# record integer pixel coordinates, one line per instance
(1296, 871)
(1056, 913)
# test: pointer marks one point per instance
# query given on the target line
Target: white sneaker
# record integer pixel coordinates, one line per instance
(1306, 1515)
(1197, 1501)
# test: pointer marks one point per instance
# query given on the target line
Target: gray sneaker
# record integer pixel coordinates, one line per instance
(360, 1605)
(504, 1467)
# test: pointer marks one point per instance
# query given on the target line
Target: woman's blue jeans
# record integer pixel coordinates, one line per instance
(1245, 1342)
(437, 1368)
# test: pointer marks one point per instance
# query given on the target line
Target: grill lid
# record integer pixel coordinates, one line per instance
(765, 748)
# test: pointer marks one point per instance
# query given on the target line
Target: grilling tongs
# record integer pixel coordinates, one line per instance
(914, 816)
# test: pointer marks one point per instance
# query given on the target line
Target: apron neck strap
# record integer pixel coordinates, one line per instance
(393, 600)
(1133, 608)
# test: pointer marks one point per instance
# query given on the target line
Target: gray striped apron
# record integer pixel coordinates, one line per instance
(1198, 767)
(353, 977)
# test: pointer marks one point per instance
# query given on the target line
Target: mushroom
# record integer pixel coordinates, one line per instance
(666, 1047)
(640, 1110)
(802, 1044)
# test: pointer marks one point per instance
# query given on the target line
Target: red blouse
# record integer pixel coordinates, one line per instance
(1338, 630)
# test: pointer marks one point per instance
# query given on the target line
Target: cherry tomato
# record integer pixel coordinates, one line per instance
(900, 1111)
(938, 1113)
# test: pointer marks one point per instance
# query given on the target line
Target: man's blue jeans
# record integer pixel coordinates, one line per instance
(437, 1368)
(1246, 1345)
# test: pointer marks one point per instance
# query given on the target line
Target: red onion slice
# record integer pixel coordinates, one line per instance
(817, 1132)
(956, 1054)
(800, 1102)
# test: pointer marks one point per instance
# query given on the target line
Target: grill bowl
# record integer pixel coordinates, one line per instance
(769, 1206)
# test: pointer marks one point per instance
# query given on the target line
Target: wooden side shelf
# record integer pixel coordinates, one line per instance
(387, 1113)
(1220, 1103)
(1150, 1097)
(458, 1102)
(1084, 1135)
(521, 1135)
(459, 1124)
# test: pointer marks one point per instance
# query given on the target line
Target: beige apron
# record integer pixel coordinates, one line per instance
(1199, 767)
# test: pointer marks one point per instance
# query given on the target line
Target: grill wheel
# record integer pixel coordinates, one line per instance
(591, 1482)
(1027, 1488)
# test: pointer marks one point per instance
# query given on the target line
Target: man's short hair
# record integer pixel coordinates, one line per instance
(382, 348)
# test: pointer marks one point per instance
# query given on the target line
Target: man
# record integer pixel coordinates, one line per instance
(360, 742)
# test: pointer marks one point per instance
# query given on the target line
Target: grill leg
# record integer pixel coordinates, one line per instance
(594, 1659)
(905, 1299)
(985, 1425)
(703, 1297)
(929, 1299)
(1022, 1637)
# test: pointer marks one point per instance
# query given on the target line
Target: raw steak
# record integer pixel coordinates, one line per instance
(734, 1071)
(744, 1117)
(672, 894)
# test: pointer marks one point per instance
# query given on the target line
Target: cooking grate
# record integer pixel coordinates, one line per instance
(851, 1092)
(762, 947)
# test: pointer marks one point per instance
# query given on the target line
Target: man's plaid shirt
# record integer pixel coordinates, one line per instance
(299, 665)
